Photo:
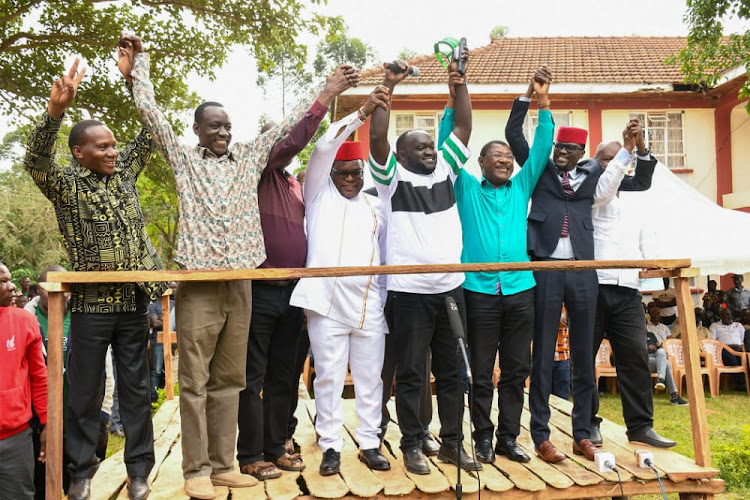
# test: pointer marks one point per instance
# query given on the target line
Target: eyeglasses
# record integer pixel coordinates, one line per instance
(499, 156)
(343, 174)
(567, 146)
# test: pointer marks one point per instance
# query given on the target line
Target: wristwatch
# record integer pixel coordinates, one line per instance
(644, 153)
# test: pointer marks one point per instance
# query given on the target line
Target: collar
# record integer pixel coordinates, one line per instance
(486, 183)
(204, 152)
(85, 172)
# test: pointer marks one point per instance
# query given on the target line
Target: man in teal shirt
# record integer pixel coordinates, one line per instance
(500, 305)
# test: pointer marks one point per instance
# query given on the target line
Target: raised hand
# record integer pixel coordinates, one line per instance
(541, 80)
(453, 66)
(392, 77)
(378, 98)
(345, 77)
(629, 135)
(640, 142)
(127, 48)
(64, 90)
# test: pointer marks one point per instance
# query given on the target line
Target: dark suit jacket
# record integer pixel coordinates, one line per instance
(549, 202)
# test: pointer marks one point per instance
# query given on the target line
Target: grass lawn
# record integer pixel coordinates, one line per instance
(727, 415)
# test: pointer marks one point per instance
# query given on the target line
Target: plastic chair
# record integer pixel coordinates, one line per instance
(713, 348)
(679, 371)
(603, 366)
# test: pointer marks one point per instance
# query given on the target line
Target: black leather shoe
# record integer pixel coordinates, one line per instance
(651, 438)
(80, 489)
(448, 454)
(330, 463)
(415, 462)
(512, 450)
(138, 488)
(595, 435)
(484, 451)
(374, 459)
(429, 447)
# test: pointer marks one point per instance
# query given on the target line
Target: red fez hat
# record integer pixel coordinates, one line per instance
(350, 150)
(572, 134)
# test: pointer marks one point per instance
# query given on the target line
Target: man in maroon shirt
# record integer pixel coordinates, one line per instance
(275, 325)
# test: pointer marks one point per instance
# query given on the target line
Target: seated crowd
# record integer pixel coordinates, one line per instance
(242, 345)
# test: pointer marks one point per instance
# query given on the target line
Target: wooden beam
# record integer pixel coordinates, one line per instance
(690, 350)
(690, 272)
(55, 376)
(166, 341)
(160, 337)
(54, 287)
(316, 272)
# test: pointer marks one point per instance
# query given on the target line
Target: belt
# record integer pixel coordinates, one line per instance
(277, 283)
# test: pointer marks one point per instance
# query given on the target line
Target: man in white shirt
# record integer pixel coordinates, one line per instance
(619, 234)
(345, 318)
(415, 183)
(732, 334)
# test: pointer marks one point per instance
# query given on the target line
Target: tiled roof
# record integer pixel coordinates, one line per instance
(571, 59)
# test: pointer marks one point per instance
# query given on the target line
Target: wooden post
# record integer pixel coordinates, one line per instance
(691, 351)
(167, 345)
(55, 378)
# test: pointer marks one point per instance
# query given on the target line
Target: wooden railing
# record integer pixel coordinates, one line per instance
(58, 283)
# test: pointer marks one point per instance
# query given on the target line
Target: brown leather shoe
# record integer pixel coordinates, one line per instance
(549, 453)
(586, 448)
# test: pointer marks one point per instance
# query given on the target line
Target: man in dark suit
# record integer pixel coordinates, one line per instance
(561, 228)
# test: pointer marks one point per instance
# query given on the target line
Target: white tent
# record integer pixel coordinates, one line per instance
(689, 225)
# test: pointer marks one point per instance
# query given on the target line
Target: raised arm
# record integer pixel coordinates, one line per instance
(542, 147)
(302, 132)
(514, 128)
(321, 159)
(609, 181)
(39, 160)
(462, 113)
(644, 168)
(379, 147)
(137, 68)
(447, 122)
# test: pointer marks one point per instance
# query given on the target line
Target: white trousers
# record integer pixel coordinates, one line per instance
(334, 345)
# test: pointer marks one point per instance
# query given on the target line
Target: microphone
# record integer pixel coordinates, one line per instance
(458, 332)
(413, 70)
(461, 61)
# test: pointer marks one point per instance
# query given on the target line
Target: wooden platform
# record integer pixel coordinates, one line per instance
(572, 478)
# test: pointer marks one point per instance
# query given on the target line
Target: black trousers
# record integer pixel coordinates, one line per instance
(620, 317)
(499, 325)
(387, 374)
(90, 334)
(420, 323)
(578, 289)
(271, 349)
(303, 349)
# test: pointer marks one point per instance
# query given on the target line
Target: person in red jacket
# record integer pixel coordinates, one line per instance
(23, 383)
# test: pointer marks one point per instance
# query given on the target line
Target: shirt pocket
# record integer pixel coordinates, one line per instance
(14, 410)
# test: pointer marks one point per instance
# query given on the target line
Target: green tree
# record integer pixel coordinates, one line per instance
(407, 54)
(184, 37)
(708, 53)
(285, 72)
(499, 32)
(339, 48)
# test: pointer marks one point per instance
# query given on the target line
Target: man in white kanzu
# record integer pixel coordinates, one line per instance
(345, 318)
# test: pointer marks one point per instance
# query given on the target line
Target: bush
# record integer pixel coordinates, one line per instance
(733, 462)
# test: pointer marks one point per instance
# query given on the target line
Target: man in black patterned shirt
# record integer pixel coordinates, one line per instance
(99, 215)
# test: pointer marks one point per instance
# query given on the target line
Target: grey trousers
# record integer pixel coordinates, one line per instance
(659, 364)
(212, 324)
(17, 467)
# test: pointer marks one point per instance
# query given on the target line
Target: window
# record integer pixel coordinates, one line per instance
(664, 135)
(427, 122)
(562, 119)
